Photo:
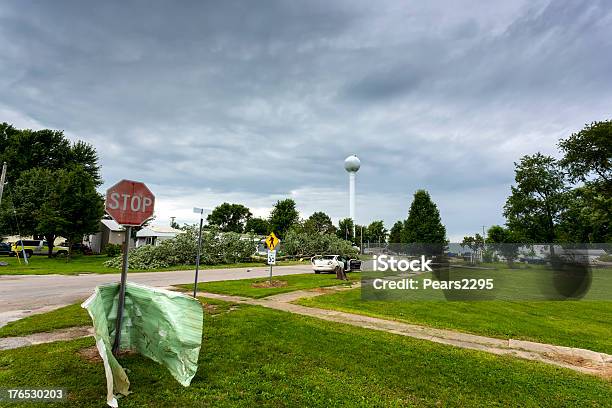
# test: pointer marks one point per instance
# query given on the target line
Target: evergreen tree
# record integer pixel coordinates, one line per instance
(424, 225)
(284, 216)
(395, 235)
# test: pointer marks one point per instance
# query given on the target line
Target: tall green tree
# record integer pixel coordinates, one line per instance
(257, 226)
(587, 155)
(56, 203)
(229, 217)
(537, 200)
(395, 235)
(376, 232)
(345, 229)
(283, 217)
(319, 223)
(423, 224)
(25, 149)
(587, 158)
(79, 205)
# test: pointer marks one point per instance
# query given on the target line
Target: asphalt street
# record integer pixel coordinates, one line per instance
(22, 295)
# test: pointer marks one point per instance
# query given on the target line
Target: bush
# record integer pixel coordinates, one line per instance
(112, 249)
(305, 244)
(217, 248)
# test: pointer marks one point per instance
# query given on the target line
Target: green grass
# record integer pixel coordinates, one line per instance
(252, 356)
(67, 316)
(41, 265)
(244, 287)
(584, 324)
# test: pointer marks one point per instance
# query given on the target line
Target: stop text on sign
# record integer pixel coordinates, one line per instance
(125, 202)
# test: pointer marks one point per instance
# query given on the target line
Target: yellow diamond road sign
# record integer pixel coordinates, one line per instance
(272, 241)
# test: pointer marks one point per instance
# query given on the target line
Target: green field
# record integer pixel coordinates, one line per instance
(41, 265)
(584, 324)
(252, 287)
(252, 356)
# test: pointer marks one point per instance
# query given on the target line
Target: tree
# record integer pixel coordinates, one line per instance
(319, 223)
(475, 243)
(26, 149)
(588, 153)
(345, 229)
(257, 226)
(229, 217)
(395, 235)
(284, 215)
(533, 209)
(34, 199)
(80, 206)
(423, 224)
(56, 203)
(588, 159)
(377, 232)
(502, 240)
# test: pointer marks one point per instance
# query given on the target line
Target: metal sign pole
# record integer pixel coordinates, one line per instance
(121, 304)
(195, 285)
(270, 274)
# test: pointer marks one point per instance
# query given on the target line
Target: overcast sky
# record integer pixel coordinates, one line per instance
(255, 101)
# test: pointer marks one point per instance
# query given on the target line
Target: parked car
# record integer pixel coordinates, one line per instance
(78, 247)
(5, 248)
(331, 263)
(36, 247)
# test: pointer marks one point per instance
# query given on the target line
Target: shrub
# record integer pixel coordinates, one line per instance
(112, 249)
(305, 244)
(217, 248)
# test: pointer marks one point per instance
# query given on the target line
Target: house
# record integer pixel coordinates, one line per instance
(110, 233)
(154, 235)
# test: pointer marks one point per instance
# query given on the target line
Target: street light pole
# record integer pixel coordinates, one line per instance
(195, 285)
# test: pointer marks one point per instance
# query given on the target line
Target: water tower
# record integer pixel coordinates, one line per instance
(352, 165)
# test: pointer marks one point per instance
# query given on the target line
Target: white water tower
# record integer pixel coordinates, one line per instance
(352, 165)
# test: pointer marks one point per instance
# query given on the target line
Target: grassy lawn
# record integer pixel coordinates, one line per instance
(584, 324)
(41, 265)
(252, 356)
(249, 287)
(67, 316)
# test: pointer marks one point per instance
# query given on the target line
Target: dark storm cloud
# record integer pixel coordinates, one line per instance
(254, 101)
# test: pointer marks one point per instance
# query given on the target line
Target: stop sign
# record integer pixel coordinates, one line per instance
(130, 202)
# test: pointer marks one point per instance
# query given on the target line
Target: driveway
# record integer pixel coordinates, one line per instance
(22, 295)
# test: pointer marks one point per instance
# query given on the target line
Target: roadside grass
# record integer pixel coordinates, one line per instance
(79, 264)
(583, 324)
(252, 356)
(253, 287)
(67, 316)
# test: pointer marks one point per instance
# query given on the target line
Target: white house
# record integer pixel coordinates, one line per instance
(154, 235)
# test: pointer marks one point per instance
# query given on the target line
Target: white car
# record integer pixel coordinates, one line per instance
(331, 263)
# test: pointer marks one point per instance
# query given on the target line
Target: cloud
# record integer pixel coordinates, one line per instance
(232, 101)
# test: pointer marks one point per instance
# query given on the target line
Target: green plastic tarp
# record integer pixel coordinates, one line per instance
(160, 324)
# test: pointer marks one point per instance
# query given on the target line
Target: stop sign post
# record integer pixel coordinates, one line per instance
(129, 203)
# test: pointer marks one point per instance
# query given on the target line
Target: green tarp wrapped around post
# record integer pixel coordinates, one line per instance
(163, 325)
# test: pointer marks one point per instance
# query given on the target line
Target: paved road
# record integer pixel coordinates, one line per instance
(21, 295)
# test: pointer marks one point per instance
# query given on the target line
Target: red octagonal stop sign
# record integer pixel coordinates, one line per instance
(130, 202)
